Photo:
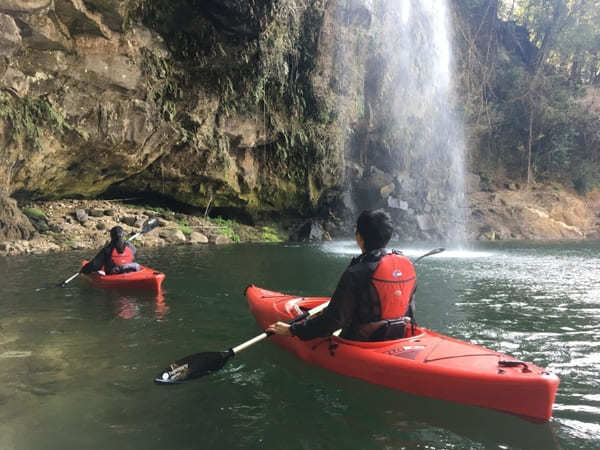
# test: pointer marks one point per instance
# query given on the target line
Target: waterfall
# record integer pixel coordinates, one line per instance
(409, 142)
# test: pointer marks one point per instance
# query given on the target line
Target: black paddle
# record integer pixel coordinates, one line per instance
(435, 251)
(149, 225)
(200, 364)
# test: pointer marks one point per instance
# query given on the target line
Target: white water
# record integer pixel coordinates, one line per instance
(349, 248)
(412, 128)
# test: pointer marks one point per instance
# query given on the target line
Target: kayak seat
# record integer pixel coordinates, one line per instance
(391, 329)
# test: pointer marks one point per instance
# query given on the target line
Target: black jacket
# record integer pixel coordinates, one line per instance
(355, 302)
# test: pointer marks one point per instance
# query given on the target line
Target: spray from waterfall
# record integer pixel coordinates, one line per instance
(410, 141)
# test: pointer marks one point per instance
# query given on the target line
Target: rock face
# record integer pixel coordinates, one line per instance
(249, 108)
(244, 106)
(139, 96)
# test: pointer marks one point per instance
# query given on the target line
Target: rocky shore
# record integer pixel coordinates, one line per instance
(511, 213)
(42, 227)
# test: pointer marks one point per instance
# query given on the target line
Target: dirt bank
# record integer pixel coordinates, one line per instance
(539, 213)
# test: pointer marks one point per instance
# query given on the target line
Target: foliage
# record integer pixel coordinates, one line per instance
(226, 227)
(29, 117)
(257, 59)
(184, 227)
(526, 65)
(270, 234)
(34, 213)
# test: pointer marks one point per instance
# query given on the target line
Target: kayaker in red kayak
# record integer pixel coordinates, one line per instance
(116, 257)
(373, 300)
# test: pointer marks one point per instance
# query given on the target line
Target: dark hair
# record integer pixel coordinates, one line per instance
(375, 227)
(116, 238)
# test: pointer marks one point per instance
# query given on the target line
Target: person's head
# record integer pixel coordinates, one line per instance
(375, 228)
(116, 237)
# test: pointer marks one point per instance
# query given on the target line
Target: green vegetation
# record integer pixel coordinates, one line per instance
(31, 117)
(270, 234)
(34, 213)
(184, 227)
(226, 227)
(38, 219)
(258, 63)
(531, 79)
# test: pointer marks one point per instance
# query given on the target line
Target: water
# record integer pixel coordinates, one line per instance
(77, 364)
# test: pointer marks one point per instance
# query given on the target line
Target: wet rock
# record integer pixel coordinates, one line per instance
(100, 226)
(310, 231)
(425, 223)
(387, 190)
(109, 212)
(396, 203)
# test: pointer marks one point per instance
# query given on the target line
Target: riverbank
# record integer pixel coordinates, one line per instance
(512, 213)
(85, 224)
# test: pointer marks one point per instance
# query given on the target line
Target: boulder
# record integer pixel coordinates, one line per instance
(81, 215)
(14, 225)
(198, 238)
(221, 239)
(173, 236)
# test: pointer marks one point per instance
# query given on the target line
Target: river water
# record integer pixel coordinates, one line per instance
(77, 363)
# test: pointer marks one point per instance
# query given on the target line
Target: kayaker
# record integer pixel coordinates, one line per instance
(116, 257)
(373, 300)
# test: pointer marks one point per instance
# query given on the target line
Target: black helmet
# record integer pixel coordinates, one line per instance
(116, 234)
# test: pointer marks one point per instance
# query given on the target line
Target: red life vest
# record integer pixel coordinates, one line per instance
(395, 281)
(119, 259)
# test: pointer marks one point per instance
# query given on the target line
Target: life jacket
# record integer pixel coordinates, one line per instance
(118, 259)
(394, 281)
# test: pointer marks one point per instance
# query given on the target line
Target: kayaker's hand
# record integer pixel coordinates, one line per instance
(281, 328)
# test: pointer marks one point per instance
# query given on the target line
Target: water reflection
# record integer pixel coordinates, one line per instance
(129, 305)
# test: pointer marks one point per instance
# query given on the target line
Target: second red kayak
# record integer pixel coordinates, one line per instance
(425, 363)
(146, 278)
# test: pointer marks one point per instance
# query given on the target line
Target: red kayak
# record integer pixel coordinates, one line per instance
(426, 363)
(146, 278)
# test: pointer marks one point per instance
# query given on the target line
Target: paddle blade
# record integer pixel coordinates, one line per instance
(150, 224)
(193, 366)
